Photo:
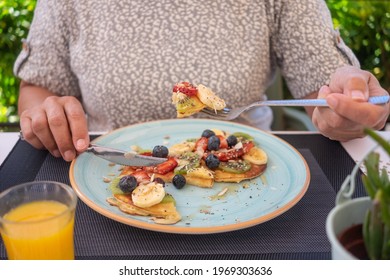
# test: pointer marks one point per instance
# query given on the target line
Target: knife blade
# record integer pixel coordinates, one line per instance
(123, 157)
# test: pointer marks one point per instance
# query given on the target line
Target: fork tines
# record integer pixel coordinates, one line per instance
(216, 113)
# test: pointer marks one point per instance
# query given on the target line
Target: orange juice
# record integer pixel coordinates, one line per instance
(39, 230)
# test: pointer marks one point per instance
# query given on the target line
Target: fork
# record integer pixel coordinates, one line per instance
(232, 113)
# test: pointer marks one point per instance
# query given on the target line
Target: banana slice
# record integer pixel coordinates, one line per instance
(200, 177)
(219, 132)
(256, 156)
(181, 148)
(200, 172)
(146, 195)
(209, 98)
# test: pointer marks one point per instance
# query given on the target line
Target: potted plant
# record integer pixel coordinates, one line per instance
(360, 228)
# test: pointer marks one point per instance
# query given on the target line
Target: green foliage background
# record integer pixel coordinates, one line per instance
(364, 26)
(15, 18)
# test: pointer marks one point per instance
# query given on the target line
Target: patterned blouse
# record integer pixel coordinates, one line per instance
(122, 58)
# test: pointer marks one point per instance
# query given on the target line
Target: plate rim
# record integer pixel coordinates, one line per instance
(184, 229)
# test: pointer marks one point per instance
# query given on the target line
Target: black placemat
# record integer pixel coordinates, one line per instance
(331, 156)
(297, 234)
(21, 165)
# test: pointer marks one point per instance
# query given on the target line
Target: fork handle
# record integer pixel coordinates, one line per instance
(383, 99)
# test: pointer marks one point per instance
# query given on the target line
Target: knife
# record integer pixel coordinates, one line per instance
(123, 157)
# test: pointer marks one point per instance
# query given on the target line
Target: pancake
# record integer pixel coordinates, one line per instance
(227, 177)
(232, 162)
(164, 212)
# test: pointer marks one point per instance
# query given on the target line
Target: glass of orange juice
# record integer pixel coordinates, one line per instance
(37, 221)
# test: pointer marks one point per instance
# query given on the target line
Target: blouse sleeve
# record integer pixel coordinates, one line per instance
(307, 48)
(44, 59)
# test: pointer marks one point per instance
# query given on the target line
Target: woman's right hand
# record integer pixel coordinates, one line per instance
(57, 124)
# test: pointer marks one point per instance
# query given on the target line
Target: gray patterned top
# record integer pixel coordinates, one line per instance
(122, 58)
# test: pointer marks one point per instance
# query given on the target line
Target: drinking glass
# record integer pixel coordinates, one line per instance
(37, 221)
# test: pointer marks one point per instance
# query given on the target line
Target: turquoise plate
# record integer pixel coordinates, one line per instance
(244, 205)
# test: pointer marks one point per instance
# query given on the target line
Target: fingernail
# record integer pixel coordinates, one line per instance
(80, 144)
(332, 102)
(56, 153)
(357, 95)
(323, 89)
(69, 155)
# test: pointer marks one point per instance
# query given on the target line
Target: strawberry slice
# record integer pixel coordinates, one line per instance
(141, 176)
(246, 146)
(162, 168)
(201, 144)
(165, 167)
(229, 154)
(186, 88)
(232, 154)
(223, 142)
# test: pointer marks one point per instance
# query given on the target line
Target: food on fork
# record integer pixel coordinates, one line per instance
(190, 99)
(214, 156)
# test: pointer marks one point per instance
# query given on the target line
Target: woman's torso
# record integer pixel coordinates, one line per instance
(127, 55)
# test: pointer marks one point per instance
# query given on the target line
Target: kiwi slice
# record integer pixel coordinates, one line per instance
(187, 106)
(190, 156)
(243, 136)
(191, 160)
(168, 198)
(114, 185)
(236, 166)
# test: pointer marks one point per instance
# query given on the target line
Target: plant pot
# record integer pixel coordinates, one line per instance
(344, 222)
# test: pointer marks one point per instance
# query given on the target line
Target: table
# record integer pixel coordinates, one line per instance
(7, 142)
(297, 234)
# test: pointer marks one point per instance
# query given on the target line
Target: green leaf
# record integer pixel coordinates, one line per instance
(380, 140)
(386, 243)
(372, 180)
(372, 232)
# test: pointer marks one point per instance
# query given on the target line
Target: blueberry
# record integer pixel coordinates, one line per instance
(232, 140)
(179, 181)
(127, 183)
(213, 143)
(212, 161)
(160, 151)
(208, 133)
(159, 181)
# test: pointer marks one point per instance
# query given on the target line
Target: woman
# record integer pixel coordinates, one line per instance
(99, 65)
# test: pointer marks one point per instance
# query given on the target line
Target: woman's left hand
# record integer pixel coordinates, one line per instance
(348, 111)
